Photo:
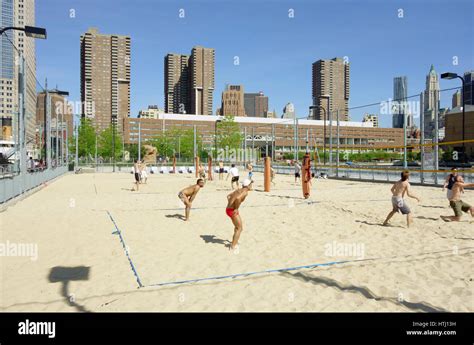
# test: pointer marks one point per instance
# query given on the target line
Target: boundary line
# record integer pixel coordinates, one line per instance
(126, 252)
(280, 270)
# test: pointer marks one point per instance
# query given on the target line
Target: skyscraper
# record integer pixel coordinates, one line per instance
(233, 101)
(177, 96)
(189, 82)
(105, 78)
(18, 13)
(331, 77)
(469, 87)
(201, 66)
(431, 101)
(400, 108)
(256, 104)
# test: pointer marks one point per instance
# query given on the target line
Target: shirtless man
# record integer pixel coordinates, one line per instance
(399, 189)
(297, 171)
(221, 170)
(201, 171)
(456, 203)
(136, 173)
(188, 194)
(250, 170)
(235, 199)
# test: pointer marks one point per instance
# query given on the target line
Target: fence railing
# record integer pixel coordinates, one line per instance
(18, 184)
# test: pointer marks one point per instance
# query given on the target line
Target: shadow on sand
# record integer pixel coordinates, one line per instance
(214, 239)
(64, 275)
(176, 215)
(422, 307)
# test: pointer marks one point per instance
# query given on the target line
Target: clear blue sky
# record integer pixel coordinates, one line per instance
(275, 51)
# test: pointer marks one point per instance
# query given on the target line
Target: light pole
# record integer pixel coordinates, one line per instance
(326, 113)
(449, 76)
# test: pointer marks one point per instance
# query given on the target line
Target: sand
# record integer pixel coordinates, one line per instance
(81, 263)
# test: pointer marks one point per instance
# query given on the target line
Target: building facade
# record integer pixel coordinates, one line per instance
(233, 101)
(105, 78)
(454, 129)
(261, 132)
(256, 104)
(62, 121)
(18, 13)
(331, 78)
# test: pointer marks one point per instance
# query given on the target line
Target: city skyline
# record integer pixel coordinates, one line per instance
(280, 64)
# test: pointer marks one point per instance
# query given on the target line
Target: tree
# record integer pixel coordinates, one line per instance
(228, 133)
(178, 140)
(86, 140)
(105, 144)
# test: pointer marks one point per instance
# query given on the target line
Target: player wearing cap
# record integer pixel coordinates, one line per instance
(235, 199)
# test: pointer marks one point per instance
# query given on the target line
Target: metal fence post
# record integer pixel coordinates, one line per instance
(337, 147)
(422, 137)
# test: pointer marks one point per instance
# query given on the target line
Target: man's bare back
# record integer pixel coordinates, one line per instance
(400, 188)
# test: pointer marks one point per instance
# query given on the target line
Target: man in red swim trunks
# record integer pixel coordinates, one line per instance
(236, 198)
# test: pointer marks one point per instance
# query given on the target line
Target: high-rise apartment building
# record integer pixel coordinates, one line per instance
(233, 101)
(400, 107)
(189, 82)
(201, 66)
(431, 102)
(177, 84)
(331, 78)
(18, 13)
(105, 78)
(256, 104)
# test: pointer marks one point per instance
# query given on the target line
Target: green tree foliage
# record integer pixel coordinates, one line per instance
(105, 144)
(175, 141)
(228, 133)
(86, 139)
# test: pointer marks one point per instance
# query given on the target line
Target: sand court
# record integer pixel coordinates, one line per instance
(74, 222)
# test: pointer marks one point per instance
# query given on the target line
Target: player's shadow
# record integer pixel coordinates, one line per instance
(214, 239)
(378, 224)
(427, 218)
(285, 197)
(176, 215)
(64, 275)
(426, 206)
